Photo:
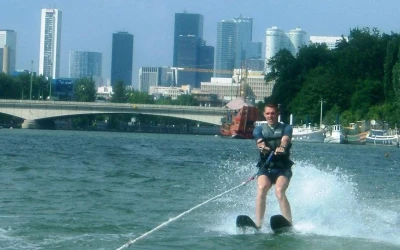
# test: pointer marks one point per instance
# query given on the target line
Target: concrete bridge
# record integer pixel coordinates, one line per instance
(34, 111)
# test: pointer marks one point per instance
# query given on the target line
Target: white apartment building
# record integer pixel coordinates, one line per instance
(50, 41)
(230, 88)
(330, 41)
(8, 48)
(276, 40)
(173, 92)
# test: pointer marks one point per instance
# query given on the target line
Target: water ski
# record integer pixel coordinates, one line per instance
(243, 221)
(280, 224)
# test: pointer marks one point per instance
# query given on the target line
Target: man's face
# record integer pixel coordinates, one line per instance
(271, 115)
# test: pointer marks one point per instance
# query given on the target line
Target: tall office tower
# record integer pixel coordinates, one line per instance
(188, 36)
(84, 64)
(244, 26)
(50, 42)
(225, 52)
(186, 24)
(205, 60)
(276, 40)
(187, 58)
(8, 47)
(122, 58)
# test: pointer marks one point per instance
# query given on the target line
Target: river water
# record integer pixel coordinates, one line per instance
(100, 190)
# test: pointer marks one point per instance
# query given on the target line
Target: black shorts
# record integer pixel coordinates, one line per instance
(274, 173)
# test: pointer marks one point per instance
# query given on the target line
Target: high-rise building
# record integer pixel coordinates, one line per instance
(190, 50)
(8, 48)
(276, 40)
(50, 42)
(233, 40)
(244, 26)
(205, 61)
(186, 24)
(84, 64)
(122, 58)
(225, 52)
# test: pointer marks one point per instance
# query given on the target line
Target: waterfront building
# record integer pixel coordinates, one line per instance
(252, 86)
(85, 64)
(122, 58)
(62, 89)
(50, 42)
(104, 92)
(171, 92)
(8, 51)
(330, 41)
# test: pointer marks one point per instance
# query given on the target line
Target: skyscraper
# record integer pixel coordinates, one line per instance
(85, 64)
(233, 37)
(225, 52)
(186, 24)
(122, 58)
(8, 47)
(244, 26)
(190, 50)
(50, 41)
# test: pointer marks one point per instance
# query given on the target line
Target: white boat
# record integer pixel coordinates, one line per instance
(308, 134)
(335, 134)
(382, 137)
(304, 133)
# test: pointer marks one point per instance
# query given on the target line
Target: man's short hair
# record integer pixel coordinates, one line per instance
(272, 105)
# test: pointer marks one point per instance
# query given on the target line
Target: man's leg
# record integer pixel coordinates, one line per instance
(263, 185)
(281, 186)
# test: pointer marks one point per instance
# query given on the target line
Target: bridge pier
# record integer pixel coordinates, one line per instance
(30, 124)
(38, 124)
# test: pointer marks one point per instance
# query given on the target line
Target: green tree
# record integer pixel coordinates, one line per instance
(119, 95)
(84, 90)
(186, 100)
(139, 97)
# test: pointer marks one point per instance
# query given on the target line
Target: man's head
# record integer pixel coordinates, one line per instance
(271, 113)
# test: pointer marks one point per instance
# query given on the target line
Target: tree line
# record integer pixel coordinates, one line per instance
(359, 80)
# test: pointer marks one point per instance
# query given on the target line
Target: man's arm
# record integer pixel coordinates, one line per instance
(286, 139)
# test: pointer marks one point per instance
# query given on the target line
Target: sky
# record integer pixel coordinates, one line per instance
(87, 25)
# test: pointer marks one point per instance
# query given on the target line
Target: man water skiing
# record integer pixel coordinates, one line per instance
(273, 136)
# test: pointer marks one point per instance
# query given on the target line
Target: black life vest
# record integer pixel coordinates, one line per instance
(272, 139)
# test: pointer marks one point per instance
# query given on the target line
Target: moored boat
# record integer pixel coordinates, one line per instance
(382, 137)
(308, 134)
(240, 120)
(336, 134)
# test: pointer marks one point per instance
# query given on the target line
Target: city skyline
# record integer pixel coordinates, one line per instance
(89, 25)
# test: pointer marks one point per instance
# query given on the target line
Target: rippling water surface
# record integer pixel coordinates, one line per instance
(93, 190)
